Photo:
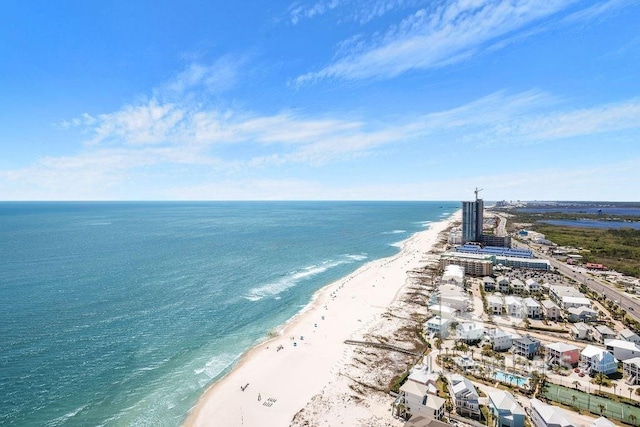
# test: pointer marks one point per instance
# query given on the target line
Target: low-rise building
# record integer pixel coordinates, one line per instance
(622, 350)
(476, 265)
(594, 360)
(495, 303)
(602, 333)
(580, 331)
(544, 415)
(532, 286)
(488, 284)
(526, 346)
(502, 284)
(414, 400)
(562, 354)
(556, 293)
(513, 306)
(505, 409)
(631, 370)
(517, 286)
(582, 314)
(550, 310)
(470, 331)
(499, 339)
(629, 335)
(438, 326)
(443, 311)
(568, 302)
(453, 275)
(465, 396)
(532, 308)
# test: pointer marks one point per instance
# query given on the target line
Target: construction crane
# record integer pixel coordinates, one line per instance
(477, 191)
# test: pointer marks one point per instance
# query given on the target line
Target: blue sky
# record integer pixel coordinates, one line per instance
(320, 99)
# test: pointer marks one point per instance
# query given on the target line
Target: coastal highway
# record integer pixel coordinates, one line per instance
(628, 303)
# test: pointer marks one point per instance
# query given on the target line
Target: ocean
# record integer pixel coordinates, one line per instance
(123, 313)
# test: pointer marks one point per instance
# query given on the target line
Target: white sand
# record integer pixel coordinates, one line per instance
(288, 379)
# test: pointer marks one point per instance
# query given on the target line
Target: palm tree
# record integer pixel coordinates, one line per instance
(601, 406)
(633, 419)
(574, 398)
(576, 383)
(614, 388)
(630, 390)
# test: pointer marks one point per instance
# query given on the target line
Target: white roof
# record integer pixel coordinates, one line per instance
(435, 402)
(604, 329)
(628, 345)
(530, 282)
(550, 414)
(562, 347)
(547, 303)
(414, 388)
(635, 361)
(581, 310)
(576, 300)
(590, 351)
(530, 302)
(511, 300)
(602, 422)
(627, 333)
(494, 299)
(443, 308)
(517, 282)
(505, 401)
(582, 326)
(565, 290)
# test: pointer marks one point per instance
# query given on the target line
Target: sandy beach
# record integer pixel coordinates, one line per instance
(303, 372)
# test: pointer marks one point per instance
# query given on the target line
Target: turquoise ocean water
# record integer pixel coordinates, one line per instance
(123, 313)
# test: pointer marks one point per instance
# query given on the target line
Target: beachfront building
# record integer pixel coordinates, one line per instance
(532, 308)
(629, 335)
(582, 314)
(544, 415)
(476, 265)
(414, 400)
(622, 350)
(631, 370)
(602, 333)
(562, 354)
(465, 396)
(502, 284)
(470, 332)
(495, 303)
(532, 286)
(505, 409)
(453, 275)
(438, 326)
(472, 220)
(514, 306)
(422, 374)
(422, 421)
(594, 360)
(488, 284)
(517, 286)
(443, 311)
(451, 296)
(499, 339)
(526, 346)
(550, 310)
(580, 331)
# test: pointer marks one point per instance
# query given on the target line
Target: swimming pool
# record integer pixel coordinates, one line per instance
(512, 379)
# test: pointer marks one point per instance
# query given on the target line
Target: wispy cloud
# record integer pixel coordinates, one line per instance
(298, 11)
(217, 77)
(181, 141)
(444, 34)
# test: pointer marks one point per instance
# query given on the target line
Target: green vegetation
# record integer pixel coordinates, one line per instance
(617, 249)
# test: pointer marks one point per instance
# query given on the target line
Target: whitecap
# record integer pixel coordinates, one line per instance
(291, 279)
(360, 257)
(394, 232)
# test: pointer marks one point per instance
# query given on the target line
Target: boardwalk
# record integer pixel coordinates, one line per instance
(383, 346)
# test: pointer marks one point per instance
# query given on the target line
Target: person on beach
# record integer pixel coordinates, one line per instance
(259, 397)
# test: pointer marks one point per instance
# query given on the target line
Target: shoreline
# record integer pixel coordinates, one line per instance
(275, 379)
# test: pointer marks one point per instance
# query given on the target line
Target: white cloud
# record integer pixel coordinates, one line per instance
(207, 146)
(438, 36)
(217, 77)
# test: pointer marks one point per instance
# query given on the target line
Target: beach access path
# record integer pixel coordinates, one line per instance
(276, 379)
